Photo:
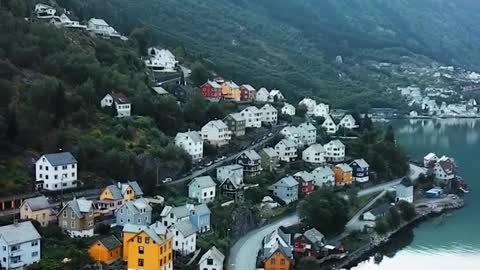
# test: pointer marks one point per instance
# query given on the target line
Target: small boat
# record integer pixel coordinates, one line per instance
(464, 190)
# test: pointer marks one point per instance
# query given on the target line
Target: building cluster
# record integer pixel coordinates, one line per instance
(444, 169)
(95, 26)
(160, 60)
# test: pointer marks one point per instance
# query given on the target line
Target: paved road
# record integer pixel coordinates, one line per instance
(244, 253)
(355, 223)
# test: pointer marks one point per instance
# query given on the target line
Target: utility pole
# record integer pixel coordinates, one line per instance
(156, 164)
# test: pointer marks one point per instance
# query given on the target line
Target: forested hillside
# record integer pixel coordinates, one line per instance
(292, 44)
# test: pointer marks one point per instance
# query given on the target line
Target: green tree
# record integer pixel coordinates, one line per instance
(381, 227)
(60, 104)
(407, 210)
(393, 218)
(390, 135)
(199, 74)
(143, 38)
(12, 126)
(301, 110)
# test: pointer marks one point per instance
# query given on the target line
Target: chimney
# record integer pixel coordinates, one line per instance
(119, 185)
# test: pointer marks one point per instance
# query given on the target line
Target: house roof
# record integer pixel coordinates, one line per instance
(361, 163)
(275, 92)
(268, 107)
(262, 90)
(252, 109)
(406, 182)
(251, 154)
(213, 84)
(317, 148)
(344, 167)
(213, 253)
(237, 116)
(380, 210)
(98, 21)
(248, 87)
(288, 181)
(136, 188)
(277, 247)
(110, 242)
(348, 117)
(323, 170)
(202, 209)
(447, 165)
(120, 98)
(185, 227)
(314, 236)
(37, 203)
(304, 176)
(288, 143)
(185, 210)
(219, 124)
(203, 182)
(337, 143)
(132, 228)
(288, 106)
(59, 159)
(270, 152)
(307, 126)
(18, 233)
(136, 206)
(116, 192)
(79, 206)
(430, 156)
(193, 135)
(160, 90)
(286, 237)
(232, 84)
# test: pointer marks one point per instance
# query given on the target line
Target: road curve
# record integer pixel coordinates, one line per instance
(243, 254)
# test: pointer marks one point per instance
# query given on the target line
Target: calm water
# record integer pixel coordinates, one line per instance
(451, 241)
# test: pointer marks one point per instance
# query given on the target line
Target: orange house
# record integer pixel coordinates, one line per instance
(343, 174)
(278, 261)
(106, 250)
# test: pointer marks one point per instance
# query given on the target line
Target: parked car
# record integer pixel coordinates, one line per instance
(209, 164)
(167, 180)
(270, 134)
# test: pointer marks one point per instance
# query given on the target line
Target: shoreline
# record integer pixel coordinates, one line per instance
(353, 258)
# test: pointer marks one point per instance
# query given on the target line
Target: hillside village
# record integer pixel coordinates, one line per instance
(269, 154)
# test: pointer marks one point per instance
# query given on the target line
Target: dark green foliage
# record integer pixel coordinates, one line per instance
(199, 74)
(393, 218)
(407, 210)
(381, 227)
(12, 126)
(390, 134)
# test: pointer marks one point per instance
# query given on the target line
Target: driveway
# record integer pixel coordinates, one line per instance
(243, 255)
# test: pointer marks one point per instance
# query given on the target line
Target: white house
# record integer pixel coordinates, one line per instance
(161, 60)
(445, 169)
(324, 176)
(212, 260)
(348, 122)
(262, 95)
(20, 245)
(309, 104)
(216, 132)
(275, 95)
(329, 125)
(404, 191)
(191, 142)
(122, 104)
(100, 27)
(288, 109)
(44, 11)
(286, 150)
(64, 21)
(321, 110)
(253, 117)
(292, 133)
(184, 237)
(429, 160)
(202, 188)
(308, 133)
(315, 154)
(56, 171)
(269, 114)
(334, 151)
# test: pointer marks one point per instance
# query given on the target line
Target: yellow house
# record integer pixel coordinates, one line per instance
(38, 209)
(113, 196)
(231, 91)
(106, 250)
(146, 248)
(343, 174)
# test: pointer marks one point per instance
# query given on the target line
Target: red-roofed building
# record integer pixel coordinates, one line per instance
(212, 90)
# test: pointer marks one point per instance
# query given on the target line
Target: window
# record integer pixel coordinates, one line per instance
(35, 254)
(34, 243)
(73, 166)
(209, 261)
(46, 176)
(272, 261)
(64, 167)
(40, 167)
(282, 261)
(73, 174)
(139, 239)
(140, 250)
(72, 224)
(46, 168)
(56, 168)
(55, 176)
(72, 214)
(64, 214)
(147, 240)
(41, 175)
(140, 262)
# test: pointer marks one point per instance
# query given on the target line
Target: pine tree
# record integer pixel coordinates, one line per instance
(59, 109)
(12, 128)
(390, 135)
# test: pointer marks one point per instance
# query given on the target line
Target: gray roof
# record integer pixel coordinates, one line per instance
(337, 143)
(116, 192)
(361, 163)
(213, 253)
(344, 167)
(160, 90)
(203, 182)
(202, 209)
(59, 159)
(288, 143)
(19, 233)
(79, 206)
(132, 228)
(287, 251)
(314, 236)
(185, 227)
(288, 181)
(307, 126)
(406, 182)
(323, 170)
(237, 116)
(318, 148)
(304, 175)
(380, 210)
(285, 236)
(153, 234)
(37, 203)
(110, 242)
(194, 136)
(248, 87)
(136, 188)
(270, 152)
(252, 155)
(135, 206)
(219, 124)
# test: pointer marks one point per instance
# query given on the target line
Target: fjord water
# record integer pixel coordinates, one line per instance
(451, 241)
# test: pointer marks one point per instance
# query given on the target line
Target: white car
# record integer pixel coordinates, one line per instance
(167, 180)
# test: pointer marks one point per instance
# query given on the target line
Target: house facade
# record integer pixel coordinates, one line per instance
(286, 150)
(213, 259)
(334, 151)
(211, 90)
(160, 60)
(251, 162)
(20, 244)
(236, 123)
(253, 117)
(247, 92)
(101, 28)
(288, 109)
(44, 11)
(286, 189)
(184, 237)
(308, 133)
(275, 96)
(56, 171)
(309, 243)
(361, 170)
(120, 101)
(324, 176)
(114, 196)
(445, 169)
(404, 191)
(198, 215)
(230, 179)
(329, 125)
(106, 250)
(270, 158)
(348, 122)
(216, 132)
(203, 189)
(309, 104)
(321, 110)
(76, 218)
(231, 91)
(137, 212)
(314, 154)
(269, 114)
(38, 209)
(192, 143)
(262, 95)
(343, 174)
(306, 182)
(294, 134)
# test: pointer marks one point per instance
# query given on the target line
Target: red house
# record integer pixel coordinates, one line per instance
(211, 89)
(309, 243)
(306, 182)
(247, 92)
